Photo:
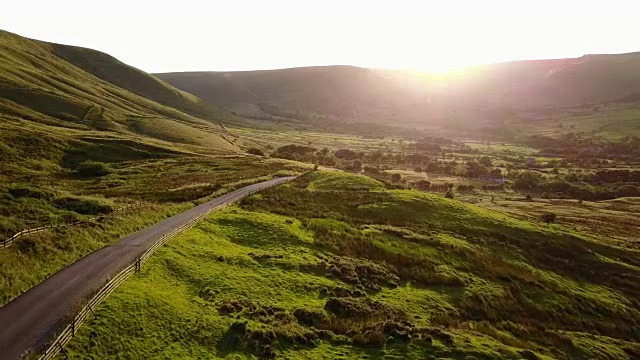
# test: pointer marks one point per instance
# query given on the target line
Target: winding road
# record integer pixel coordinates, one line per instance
(30, 320)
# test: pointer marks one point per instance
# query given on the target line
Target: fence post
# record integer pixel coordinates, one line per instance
(90, 309)
(138, 264)
(62, 350)
(73, 326)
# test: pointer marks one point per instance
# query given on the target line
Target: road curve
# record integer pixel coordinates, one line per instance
(29, 321)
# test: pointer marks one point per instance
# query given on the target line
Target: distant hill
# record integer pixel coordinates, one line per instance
(401, 97)
(83, 96)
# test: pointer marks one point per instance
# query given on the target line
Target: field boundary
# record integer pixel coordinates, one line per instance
(10, 240)
(56, 346)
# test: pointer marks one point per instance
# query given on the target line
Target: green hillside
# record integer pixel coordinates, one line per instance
(138, 82)
(54, 116)
(308, 271)
(84, 89)
(477, 97)
(334, 91)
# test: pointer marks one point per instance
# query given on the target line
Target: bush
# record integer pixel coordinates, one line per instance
(93, 168)
(627, 191)
(254, 151)
(449, 194)
(84, 206)
(548, 217)
(396, 177)
(30, 192)
(528, 198)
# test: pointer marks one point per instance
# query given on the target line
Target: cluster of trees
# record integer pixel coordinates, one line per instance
(569, 186)
(575, 146)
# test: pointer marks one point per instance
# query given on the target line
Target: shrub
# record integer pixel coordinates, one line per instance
(627, 191)
(528, 198)
(548, 217)
(84, 206)
(254, 151)
(396, 177)
(449, 194)
(30, 192)
(93, 168)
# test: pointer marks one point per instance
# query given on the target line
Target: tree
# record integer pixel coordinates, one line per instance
(627, 191)
(357, 165)
(475, 169)
(529, 198)
(527, 180)
(346, 154)
(396, 177)
(485, 161)
(449, 194)
(548, 217)
(254, 151)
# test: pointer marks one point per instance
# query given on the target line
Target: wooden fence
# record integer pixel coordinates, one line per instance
(57, 345)
(10, 240)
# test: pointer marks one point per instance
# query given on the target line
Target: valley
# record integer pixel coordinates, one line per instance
(491, 213)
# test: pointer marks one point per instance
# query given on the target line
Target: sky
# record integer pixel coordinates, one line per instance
(432, 36)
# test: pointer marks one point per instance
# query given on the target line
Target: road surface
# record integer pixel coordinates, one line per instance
(30, 320)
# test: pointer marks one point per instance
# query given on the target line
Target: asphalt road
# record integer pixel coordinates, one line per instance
(31, 319)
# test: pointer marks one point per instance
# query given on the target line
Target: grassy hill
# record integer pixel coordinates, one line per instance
(482, 96)
(83, 89)
(353, 270)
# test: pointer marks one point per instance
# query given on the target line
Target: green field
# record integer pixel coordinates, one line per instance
(299, 271)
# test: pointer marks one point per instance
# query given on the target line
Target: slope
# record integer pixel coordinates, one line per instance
(54, 116)
(476, 96)
(138, 82)
(39, 86)
(307, 271)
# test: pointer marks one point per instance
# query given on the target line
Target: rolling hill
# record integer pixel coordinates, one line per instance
(78, 96)
(475, 96)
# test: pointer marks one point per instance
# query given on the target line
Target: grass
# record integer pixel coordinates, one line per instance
(354, 272)
(164, 187)
(339, 181)
(613, 121)
(35, 257)
(82, 134)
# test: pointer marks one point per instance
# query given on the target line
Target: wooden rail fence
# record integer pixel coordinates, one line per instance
(63, 337)
(10, 240)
